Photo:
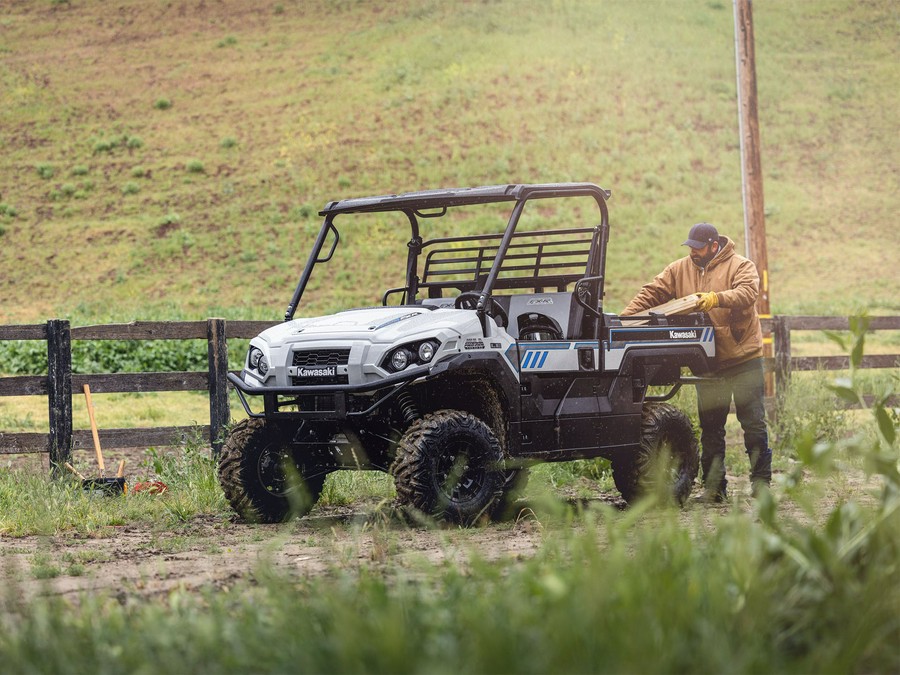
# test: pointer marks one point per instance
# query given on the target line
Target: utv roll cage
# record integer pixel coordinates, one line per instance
(481, 264)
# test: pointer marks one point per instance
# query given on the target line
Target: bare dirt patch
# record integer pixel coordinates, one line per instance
(141, 560)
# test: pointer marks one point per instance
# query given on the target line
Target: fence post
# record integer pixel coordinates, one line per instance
(59, 392)
(781, 333)
(219, 414)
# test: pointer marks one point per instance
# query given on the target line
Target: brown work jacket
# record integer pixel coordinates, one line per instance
(734, 280)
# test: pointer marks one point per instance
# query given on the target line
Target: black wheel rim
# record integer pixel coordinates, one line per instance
(270, 470)
(459, 477)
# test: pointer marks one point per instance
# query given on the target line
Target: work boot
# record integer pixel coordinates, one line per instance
(757, 486)
(712, 496)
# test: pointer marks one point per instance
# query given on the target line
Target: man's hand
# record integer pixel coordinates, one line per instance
(706, 301)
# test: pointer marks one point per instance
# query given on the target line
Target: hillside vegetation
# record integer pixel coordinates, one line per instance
(168, 159)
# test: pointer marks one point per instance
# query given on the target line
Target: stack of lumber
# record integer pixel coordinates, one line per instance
(683, 305)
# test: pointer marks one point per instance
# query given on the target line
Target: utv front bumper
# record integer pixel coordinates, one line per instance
(325, 402)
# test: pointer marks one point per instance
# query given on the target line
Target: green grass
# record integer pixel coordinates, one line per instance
(32, 503)
(638, 97)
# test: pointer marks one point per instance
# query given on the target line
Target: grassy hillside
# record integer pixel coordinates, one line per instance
(167, 160)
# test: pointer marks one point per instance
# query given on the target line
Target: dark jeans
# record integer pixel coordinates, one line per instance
(745, 383)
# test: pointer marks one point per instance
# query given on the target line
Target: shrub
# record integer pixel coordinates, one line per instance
(195, 166)
(138, 172)
(230, 41)
(134, 142)
(8, 211)
(114, 356)
(227, 142)
(162, 104)
(79, 170)
(45, 171)
(105, 145)
(170, 218)
(130, 188)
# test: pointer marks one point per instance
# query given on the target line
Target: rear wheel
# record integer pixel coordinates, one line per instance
(262, 479)
(447, 465)
(666, 462)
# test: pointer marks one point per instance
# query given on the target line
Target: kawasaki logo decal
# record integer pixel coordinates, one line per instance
(322, 371)
(683, 334)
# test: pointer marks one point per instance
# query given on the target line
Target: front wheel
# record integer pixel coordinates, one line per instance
(665, 462)
(262, 479)
(447, 465)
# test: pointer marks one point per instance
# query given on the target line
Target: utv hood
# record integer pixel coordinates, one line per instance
(376, 324)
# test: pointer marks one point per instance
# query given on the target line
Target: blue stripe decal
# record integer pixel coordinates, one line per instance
(534, 354)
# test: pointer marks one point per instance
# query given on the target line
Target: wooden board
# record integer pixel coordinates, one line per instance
(683, 305)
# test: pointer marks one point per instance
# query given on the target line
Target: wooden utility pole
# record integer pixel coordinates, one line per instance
(751, 166)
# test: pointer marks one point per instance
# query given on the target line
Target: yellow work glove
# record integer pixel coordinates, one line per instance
(706, 301)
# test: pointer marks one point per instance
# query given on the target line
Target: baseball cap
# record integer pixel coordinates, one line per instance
(701, 234)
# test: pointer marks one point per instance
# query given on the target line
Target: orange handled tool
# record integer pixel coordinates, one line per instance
(97, 450)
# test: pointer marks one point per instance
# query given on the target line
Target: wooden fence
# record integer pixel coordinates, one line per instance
(783, 364)
(59, 383)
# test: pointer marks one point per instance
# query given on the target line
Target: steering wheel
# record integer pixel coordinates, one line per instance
(469, 300)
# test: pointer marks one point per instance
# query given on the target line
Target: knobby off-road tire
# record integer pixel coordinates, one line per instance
(252, 473)
(447, 466)
(666, 435)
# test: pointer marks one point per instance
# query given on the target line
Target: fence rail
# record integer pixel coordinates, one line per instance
(59, 383)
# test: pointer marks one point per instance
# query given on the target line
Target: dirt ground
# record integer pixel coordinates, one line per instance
(146, 560)
(143, 561)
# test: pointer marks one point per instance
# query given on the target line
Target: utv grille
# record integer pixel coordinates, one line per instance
(323, 357)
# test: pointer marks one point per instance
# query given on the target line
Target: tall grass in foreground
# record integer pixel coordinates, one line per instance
(612, 594)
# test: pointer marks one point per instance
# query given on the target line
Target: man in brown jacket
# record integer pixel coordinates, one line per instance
(727, 286)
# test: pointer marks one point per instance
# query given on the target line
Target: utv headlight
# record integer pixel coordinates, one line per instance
(426, 351)
(255, 356)
(400, 359)
(411, 354)
(257, 361)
